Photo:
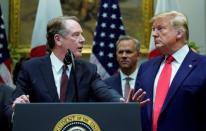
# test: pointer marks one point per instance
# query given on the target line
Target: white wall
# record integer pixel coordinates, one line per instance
(195, 11)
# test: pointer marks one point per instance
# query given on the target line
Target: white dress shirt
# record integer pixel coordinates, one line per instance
(131, 82)
(57, 71)
(178, 56)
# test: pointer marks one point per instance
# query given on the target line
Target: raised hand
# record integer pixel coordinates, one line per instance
(137, 96)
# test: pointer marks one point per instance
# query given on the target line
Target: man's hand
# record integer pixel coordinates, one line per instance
(21, 99)
(138, 96)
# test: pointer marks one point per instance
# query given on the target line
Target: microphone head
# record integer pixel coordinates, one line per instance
(68, 57)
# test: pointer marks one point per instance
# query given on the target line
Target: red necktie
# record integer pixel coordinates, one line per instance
(64, 84)
(162, 89)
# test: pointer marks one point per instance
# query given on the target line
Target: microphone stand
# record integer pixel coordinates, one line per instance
(69, 59)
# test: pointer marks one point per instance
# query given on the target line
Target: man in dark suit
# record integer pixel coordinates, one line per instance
(5, 96)
(181, 106)
(127, 53)
(40, 78)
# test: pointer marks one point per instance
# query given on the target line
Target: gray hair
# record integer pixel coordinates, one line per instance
(126, 37)
(57, 26)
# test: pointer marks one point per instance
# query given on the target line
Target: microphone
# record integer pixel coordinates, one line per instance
(69, 59)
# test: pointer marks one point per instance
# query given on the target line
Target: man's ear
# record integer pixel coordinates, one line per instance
(57, 39)
(179, 34)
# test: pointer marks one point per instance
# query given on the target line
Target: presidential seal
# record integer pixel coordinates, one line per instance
(76, 122)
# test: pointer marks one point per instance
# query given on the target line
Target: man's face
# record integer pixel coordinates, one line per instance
(74, 39)
(127, 56)
(165, 36)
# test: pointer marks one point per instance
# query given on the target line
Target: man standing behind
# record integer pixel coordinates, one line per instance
(176, 81)
(127, 53)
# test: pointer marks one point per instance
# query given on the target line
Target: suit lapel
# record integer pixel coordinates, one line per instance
(71, 85)
(48, 77)
(185, 69)
(152, 73)
(118, 83)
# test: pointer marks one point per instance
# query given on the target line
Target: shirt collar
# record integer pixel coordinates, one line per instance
(133, 75)
(180, 54)
(56, 62)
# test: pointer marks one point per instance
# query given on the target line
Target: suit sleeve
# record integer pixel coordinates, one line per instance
(102, 91)
(22, 84)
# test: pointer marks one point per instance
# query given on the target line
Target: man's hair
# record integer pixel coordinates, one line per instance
(126, 37)
(177, 20)
(57, 26)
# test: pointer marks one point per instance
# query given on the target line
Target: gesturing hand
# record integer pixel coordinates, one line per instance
(137, 96)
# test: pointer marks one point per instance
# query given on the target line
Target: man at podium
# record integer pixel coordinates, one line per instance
(48, 79)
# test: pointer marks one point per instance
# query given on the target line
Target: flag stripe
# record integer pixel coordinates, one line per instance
(5, 74)
(100, 68)
(38, 51)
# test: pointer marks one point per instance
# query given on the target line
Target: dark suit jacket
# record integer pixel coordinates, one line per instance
(5, 96)
(185, 105)
(36, 79)
(115, 82)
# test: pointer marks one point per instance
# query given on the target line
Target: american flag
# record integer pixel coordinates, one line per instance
(108, 29)
(5, 61)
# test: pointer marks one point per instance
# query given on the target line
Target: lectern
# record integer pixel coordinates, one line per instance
(77, 117)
